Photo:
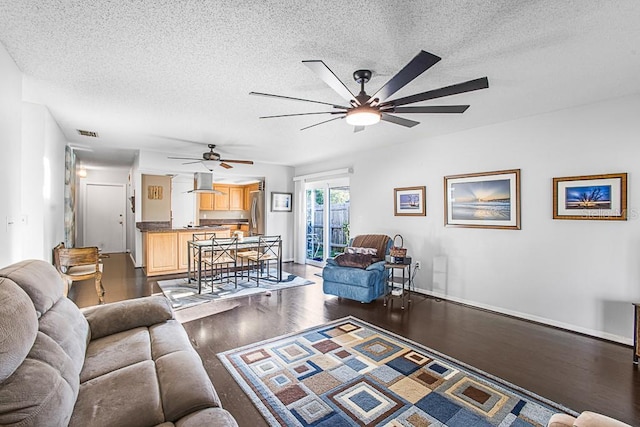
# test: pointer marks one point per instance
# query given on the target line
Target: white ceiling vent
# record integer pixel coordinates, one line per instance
(87, 133)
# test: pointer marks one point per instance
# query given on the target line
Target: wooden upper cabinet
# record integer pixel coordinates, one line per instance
(221, 201)
(236, 198)
(206, 201)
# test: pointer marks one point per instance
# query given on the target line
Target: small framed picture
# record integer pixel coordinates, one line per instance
(281, 202)
(591, 197)
(410, 201)
(483, 200)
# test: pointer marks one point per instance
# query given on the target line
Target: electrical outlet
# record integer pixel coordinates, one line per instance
(417, 265)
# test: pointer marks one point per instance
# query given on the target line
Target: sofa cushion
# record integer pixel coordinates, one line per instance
(18, 327)
(66, 325)
(124, 315)
(116, 351)
(43, 390)
(211, 417)
(39, 280)
(129, 396)
(168, 337)
(184, 384)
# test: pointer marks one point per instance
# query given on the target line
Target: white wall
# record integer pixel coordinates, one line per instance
(31, 172)
(581, 275)
(42, 182)
(10, 165)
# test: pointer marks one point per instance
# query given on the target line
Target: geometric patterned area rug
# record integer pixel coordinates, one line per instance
(348, 373)
(183, 294)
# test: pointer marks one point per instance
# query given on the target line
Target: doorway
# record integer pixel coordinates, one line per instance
(104, 217)
(327, 220)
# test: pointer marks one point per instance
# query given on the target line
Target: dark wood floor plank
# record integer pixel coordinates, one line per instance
(580, 372)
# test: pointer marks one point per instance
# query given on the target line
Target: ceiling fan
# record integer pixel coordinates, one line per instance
(365, 110)
(212, 156)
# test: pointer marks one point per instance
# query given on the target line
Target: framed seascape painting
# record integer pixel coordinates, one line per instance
(599, 197)
(410, 201)
(483, 200)
(281, 202)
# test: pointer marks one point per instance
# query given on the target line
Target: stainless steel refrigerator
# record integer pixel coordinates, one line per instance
(256, 213)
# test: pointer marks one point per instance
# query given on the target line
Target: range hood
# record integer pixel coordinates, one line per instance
(203, 183)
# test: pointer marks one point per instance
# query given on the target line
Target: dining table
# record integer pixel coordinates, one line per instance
(197, 247)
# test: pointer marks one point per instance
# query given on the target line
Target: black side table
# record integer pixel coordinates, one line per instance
(398, 286)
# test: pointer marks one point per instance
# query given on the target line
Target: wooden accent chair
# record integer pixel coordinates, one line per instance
(75, 264)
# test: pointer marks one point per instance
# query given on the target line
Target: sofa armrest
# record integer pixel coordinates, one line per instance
(586, 419)
(331, 261)
(121, 316)
(591, 419)
(376, 266)
(561, 420)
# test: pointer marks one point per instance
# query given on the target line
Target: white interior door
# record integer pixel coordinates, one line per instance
(104, 217)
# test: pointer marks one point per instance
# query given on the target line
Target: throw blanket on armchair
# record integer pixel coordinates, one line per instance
(378, 241)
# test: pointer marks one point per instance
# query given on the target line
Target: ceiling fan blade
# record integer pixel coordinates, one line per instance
(226, 166)
(471, 85)
(269, 95)
(326, 121)
(398, 120)
(321, 69)
(418, 65)
(301, 114)
(190, 163)
(358, 129)
(244, 162)
(431, 109)
(183, 158)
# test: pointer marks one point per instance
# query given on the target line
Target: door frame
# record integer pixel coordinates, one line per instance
(123, 189)
(326, 185)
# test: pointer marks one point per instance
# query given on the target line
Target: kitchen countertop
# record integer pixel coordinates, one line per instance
(162, 228)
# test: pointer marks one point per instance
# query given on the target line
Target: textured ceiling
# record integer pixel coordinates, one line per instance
(148, 74)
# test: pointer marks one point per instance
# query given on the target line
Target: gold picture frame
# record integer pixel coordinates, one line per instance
(410, 201)
(483, 200)
(591, 197)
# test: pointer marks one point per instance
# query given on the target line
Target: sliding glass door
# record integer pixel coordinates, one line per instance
(327, 220)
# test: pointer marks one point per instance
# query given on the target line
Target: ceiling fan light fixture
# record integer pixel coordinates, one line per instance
(363, 116)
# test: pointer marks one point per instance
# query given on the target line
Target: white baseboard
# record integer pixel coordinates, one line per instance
(543, 320)
(134, 261)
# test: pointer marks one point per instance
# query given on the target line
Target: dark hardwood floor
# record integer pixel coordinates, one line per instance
(579, 372)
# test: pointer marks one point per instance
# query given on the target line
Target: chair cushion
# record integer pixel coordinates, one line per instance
(82, 270)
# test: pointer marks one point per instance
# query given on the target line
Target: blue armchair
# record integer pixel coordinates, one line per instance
(360, 284)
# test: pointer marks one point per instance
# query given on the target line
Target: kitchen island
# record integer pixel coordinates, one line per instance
(165, 248)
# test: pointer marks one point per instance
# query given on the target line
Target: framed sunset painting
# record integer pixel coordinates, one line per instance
(483, 200)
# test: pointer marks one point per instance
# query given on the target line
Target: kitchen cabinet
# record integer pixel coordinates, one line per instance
(166, 252)
(183, 250)
(233, 199)
(221, 201)
(206, 201)
(236, 198)
(161, 251)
